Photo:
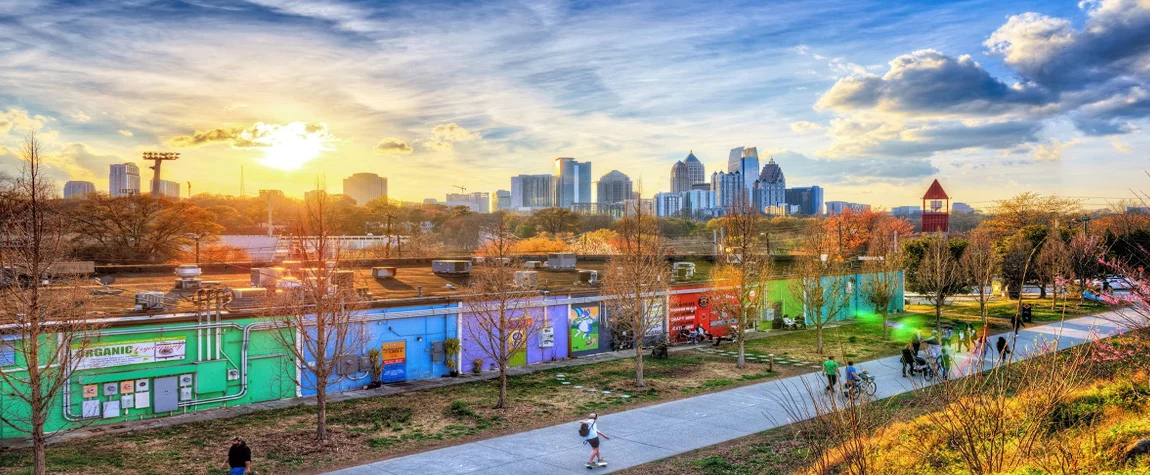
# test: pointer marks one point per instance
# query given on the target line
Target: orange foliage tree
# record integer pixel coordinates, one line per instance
(853, 231)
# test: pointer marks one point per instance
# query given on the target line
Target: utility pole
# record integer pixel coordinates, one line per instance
(197, 237)
(389, 235)
(1085, 224)
(189, 189)
(158, 159)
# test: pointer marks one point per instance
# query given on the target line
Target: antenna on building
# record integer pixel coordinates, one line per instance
(158, 159)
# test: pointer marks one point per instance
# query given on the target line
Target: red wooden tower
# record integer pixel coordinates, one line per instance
(935, 210)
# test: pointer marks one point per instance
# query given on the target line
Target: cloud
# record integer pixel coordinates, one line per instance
(804, 126)
(1123, 147)
(256, 135)
(391, 145)
(20, 121)
(921, 138)
(856, 170)
(78, 161)
(1051, 152)
(3, 151)
(444, 136)
(125, 132)
(80, 116)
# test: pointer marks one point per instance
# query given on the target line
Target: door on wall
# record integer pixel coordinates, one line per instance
(166, 392)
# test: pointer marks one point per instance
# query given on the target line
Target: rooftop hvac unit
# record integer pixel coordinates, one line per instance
(589, 277)
(478, 260)
(151, 300)
(188, 284)
(343, 278)
(562, 261)
(266, 276)
(684, 270)
(532, 264)
(451, 267)
(249, 293)
(383, 272)
(503, 261)
(188, 271)
(527, 278)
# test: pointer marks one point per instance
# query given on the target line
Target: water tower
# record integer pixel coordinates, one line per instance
(935, 210)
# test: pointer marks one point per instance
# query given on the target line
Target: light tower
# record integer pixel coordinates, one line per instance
(158, 159)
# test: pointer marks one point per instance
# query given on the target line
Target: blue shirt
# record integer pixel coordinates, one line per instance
(852, 373)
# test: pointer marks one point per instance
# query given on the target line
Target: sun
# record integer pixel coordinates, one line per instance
(290, 146)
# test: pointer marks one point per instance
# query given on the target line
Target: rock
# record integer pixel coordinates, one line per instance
(1136, 449)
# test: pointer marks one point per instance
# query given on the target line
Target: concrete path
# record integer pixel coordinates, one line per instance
(654, 432)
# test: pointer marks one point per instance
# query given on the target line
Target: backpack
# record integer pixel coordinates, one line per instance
(584, 429)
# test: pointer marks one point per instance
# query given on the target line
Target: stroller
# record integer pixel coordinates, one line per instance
(922, 366)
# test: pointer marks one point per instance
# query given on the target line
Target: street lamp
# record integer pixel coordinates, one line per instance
(197, 237)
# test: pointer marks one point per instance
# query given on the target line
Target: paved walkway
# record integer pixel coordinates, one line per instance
(654, 432)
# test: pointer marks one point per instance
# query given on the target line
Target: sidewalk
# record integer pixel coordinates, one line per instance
(654, 432)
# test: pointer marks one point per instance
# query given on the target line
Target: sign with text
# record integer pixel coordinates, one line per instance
(394, 354)
(122, 353)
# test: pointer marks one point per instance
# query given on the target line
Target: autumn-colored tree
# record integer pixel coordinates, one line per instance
(742, 272)
(137, 229)
(1030, 209)
(556, 220)
(819, 282)
(979, 264)
(935, 273)
(537, 245)
(853, 231)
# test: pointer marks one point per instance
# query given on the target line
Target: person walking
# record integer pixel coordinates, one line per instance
(592, 438)
(239, 458)
(917, 343)
(1003, 348)
(907, 360)
(1016, 322)
(945, 361)
(831, 369)
(1027, 313)
(960, 342)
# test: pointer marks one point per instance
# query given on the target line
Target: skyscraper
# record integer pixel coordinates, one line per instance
(78, 189)
(807, 201)
(501, 200)
(124, 180)
(614, 187)
(744, 160)
(364, 187)
(680, 177)
(770, 189)
(730, 190)
(573, 182)
(696, 172)
(532, 191)
(478, 202)
(168, 189)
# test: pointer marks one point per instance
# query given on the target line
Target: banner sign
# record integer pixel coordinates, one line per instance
(130, 352)
(394, 354)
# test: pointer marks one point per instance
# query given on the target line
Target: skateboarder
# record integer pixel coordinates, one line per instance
(592, 437)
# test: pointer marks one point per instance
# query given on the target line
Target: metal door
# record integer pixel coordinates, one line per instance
(166, 394)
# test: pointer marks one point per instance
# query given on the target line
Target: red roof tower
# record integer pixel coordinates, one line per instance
(935, 210)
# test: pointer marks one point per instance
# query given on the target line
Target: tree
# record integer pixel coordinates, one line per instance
(43, 330)
(1085, 255)
(819, 281)
(137, 229)
(497, 315)
(1054, 264)
(318, 315)
(936, 275)
(1030, 209)
(742, 272)
(883, 280)
(854, 230)
(979, 265)
(556, 220)
(635, 277)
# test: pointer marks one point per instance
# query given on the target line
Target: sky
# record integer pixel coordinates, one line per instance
(869, 99)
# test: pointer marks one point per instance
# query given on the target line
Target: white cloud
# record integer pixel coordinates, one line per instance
(1123, 147)
(79, 116)
(125, 132)
(392, 145)
(20, 121)
(1053, 151)
(444, 137)
(804, 126)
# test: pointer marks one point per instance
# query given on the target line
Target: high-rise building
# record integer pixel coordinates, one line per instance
(78, 189)
(668, 205)
(687, 204)
(805, 201)
(168, 189)
(614, 187)
(960, 207)
(501, 200)
(680, 178)
(479, 201)
(837, 207)
(532, 191)
(730, 190)
(770, 189)
(573, 182)
(696, 172)
(364, 187)
(124, 180)
(314, 196)
(906, 211)
(744, 160)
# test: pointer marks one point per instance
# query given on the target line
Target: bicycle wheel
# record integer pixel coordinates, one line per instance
(928, 374)
(871, 387)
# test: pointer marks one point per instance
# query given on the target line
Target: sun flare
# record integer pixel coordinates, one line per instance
(290, 146)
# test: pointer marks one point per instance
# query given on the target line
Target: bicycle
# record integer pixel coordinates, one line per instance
(865, 385)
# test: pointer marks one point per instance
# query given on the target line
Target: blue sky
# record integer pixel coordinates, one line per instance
(871, 100)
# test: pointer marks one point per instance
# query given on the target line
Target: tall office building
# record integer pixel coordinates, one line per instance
(744, 160)
(730, 190)
(680, 181)
(364, 187)
(573, 182)
(696, 172)
(532, 191)
(770, 189)
(837, 207)
(315, 196)
(614, 187)
(668, 205)
(501, 200)
(806, 201)
(124, 180)
(168, 189)
(478, 202)
(78, 189)
(688, 204)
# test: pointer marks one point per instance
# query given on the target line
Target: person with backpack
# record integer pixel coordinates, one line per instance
(589, 430)
(1003, 349)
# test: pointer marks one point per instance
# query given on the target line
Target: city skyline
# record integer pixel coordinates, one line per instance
(973, 93)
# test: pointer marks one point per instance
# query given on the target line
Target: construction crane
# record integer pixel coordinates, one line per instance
(461, 188)
(158, 159)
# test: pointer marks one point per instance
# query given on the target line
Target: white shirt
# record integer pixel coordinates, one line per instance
(594, 429)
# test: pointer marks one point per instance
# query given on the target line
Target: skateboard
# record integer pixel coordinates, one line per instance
(597, 464)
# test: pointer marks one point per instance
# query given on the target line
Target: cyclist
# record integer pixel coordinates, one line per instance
(852, 378)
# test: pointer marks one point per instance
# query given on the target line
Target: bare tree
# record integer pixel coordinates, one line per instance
(317, 311)
(634, 278)
(844, 435)
(937, 275)
(819, 282)
(43, 329)
(979, 265)
(1085, 254)
(741, 274)
(1054, 264)
(497, 317)
(883, 279)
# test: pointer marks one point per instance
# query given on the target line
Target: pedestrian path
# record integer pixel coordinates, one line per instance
(654, 432)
